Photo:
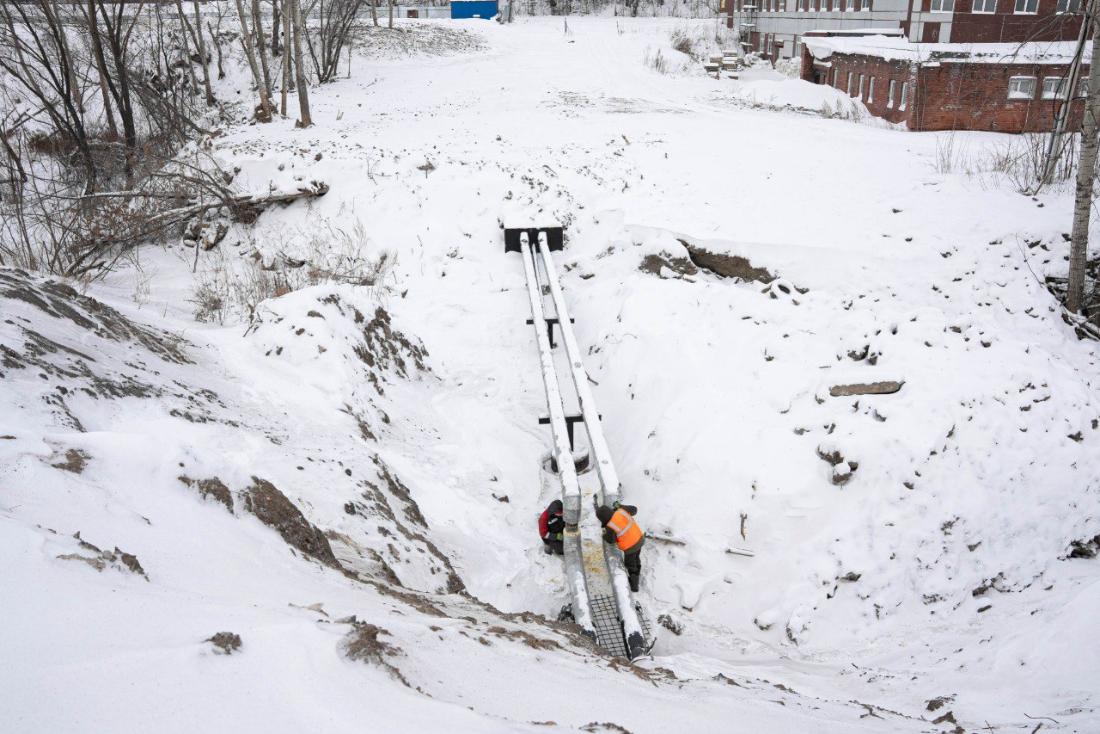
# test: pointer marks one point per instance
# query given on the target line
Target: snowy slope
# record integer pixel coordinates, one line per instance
(401, 422)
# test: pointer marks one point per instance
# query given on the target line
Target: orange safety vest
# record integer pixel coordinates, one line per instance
(627, 532)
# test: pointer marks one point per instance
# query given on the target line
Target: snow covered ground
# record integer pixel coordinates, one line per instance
(911, 567)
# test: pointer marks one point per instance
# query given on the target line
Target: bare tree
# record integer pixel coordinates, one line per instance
(263, 112)
(335, 22)
(261, 44)
(1086, 175)
(286, 59)
(391, 13)
(210, 100)
(300, 82)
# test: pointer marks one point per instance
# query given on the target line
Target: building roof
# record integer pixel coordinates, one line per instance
(900, 49)
(823, 32)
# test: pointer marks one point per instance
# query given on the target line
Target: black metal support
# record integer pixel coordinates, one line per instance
(570, 421)
(550, 322)
(555, 237)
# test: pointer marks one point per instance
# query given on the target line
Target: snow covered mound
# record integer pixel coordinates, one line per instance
(216, 535)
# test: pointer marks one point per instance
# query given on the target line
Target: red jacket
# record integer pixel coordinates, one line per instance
(550, 524)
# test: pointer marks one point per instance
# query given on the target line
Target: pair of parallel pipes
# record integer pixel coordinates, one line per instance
(609, 479)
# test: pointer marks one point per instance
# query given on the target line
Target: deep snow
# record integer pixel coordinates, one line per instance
(938, 570)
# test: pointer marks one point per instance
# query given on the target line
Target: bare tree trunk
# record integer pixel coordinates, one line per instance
(391, 13)
(1086, 174)
(299, 70)
(286, 59)
(185, 32)
(205, 59)
(74, 88)
(374, 11)
(217, 49)
(276, 17)
(101, 68)
(264, 113)
(261, 45)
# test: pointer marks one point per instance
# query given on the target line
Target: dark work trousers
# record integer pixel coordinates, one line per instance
(557, 547)
(632, 559)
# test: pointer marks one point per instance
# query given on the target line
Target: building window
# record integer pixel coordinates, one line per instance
(861, 86)
(904, 101)
(865, 6)
(892, 93)
(800, 5)
(1055, 87)
(945, 6)
(1027, 6)
(985, 6)
(871, 91)
(851, 81)
(1021, 87)
(836, 77)
(1068, 6)
(834, 6)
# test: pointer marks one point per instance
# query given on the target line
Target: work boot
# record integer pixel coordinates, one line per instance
(634, 584)
(548, 550)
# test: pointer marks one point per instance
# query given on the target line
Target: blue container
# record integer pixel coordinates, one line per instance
(486, 9)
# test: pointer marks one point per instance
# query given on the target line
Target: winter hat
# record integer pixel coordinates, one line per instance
(555, 507)
(604, 513)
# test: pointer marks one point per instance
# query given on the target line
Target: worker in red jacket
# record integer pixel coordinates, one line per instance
(621, 529)
(552, 528)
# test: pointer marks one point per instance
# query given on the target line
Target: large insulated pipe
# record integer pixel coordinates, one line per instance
(567, 472)
(605, 467)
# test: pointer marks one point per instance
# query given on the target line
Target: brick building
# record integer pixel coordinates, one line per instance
(775, 28)
(950, 86)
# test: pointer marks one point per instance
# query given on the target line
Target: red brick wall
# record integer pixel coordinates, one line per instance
(975, 97)
(1005, 25)
(949, 96)
(881, 70)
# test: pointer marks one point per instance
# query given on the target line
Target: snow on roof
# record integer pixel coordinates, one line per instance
(900, 49)
(854, 32)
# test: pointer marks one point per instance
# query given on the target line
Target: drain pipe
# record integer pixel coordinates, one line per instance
(609, 478)
(567, 472)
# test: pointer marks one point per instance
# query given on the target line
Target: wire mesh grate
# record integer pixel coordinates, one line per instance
(609, 630)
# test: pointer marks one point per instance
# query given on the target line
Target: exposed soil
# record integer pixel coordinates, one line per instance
(225, 643)
(75, 461)
(212, 488)
(726, 266)
(272, 508)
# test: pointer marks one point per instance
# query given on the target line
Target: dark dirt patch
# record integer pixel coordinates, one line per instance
(670, 624)
(726, 266)
(225, 643)
(528, 639)
(272, 508)
(605, 726)
(75, 461)
(212, 488)
(654, 264)
(362, 645)
(101, 559)
(1084, 548)
(887, 387)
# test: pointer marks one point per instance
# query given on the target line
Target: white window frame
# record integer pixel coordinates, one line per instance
(800, 5)
(943, 6)
(836, 78)
(851, 79)
(1062, 7)
(984, 6)
(834, 6)
(861, 87)
(1060, 88)
(1021, 7)
(903, 103)
(1019, 94)
(891, 94)
(865, 6)
(871, 91)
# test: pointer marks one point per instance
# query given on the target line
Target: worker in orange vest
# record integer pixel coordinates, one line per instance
(621, 529)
